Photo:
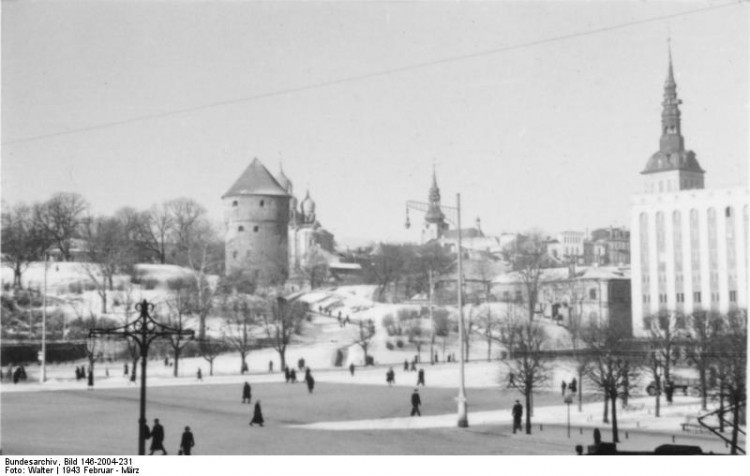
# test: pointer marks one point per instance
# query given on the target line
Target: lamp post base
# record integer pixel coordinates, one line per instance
(463, 414)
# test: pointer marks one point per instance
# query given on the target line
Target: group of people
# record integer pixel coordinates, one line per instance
(82, 375)
(16, 375)
(571, 387)
(157, 435)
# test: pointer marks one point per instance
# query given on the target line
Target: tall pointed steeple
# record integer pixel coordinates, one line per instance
(434, 213)
(671, 131)
(672, 168)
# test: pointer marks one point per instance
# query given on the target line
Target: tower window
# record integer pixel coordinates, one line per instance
(255, 229)
(241, 228)
(262, 203)
(592, 293)
(234, 203)
(728, 212)
(234, 254)
(696, 297)
(732, 296)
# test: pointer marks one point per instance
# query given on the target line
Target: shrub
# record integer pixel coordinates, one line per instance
(400, 344)
(150, 283)
(389, 345)
(75, 288)
(175, 284)
(89, 286)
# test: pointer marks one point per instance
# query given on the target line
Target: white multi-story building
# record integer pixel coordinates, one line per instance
(689, 246)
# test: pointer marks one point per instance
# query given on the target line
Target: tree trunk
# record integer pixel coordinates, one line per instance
(202, 326)
(527, 394)
(489, 347)
(657, 408)
(17, 277)
(735, 424)
(580, 389)
(606, 408)
(177, 351)
(211, 367)
(704, 390)
(615, 436)
(243, 363)
(103, 295)
(282, 359)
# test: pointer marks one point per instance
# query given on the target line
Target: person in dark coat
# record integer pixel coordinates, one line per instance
(573, 386)
(270, 366)
(257, 415)
(287, 374)
(420, 378)
(91, 379)
(17, 375)
(564, 386)
(157, 437)
(511, 380)
(293, 376)
(23, 373)
(413, 366)
(246, 395)
(390, 377)
(310, 381)
(351, 369)
(199, 374)
(187, 442)
(415, 403)
(517, 415)
(406, 365)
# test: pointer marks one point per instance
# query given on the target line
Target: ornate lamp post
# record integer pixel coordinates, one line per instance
(143, 331)
(463, 418)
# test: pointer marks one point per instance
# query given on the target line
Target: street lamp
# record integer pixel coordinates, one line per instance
(43, 373)
(463, 419)
(143, 331)
(568, 401)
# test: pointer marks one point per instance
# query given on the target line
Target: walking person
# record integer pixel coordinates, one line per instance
(293, 376)
(390, 377)
(257, 415)
(187, 442)
(287, 374)
(517, 415)
(270, 366)
(309, 380)
(420, 378)
(415, 403)
(406, 365)
(351, 369)
(246, 395)
(91, 379)
(199, 375)
(125, 369)
(157, 437)
(511, 380)
(573, 386)
(564, 386)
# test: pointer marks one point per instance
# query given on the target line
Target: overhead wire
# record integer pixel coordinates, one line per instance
(375, 74)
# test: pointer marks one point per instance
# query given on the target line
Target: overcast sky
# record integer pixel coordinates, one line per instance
(106, 99)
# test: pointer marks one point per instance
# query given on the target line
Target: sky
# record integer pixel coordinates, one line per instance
(540, 114)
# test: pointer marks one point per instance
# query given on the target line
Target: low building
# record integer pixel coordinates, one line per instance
(574, 296)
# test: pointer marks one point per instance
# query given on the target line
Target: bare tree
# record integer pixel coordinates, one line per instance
(210, 349)
(387, 266)
(487, 325)
(610, 369)
(364, 336)
(23, 241)
(528, 365)
(155, 228)
(180, 306)
(238, 327)
(703, 330)
(528, 260)
(442, 325)
(60, 218)
(108, 252)
(281, 320)
(314, 267)
(664, 330)
(731, 352)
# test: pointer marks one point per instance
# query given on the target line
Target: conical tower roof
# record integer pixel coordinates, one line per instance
(256, 180)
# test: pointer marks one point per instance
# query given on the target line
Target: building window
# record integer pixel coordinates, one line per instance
(262, 203)
(680, 297)
(696, 297)
(732, 296)
(519, 296)
(255, 229)
(242, 228)
(728, 212)
(646, 298)
(592, 293)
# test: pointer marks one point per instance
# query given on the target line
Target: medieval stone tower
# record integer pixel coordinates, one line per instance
(257, 224)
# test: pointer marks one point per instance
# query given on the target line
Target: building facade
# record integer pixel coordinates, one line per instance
(689, 245)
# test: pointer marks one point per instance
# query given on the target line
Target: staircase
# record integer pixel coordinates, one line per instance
(716, 415)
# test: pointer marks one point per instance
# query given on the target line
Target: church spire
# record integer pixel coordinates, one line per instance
(434, 213)
(671, 132)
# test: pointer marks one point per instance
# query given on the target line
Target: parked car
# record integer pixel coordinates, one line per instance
(684, 385)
